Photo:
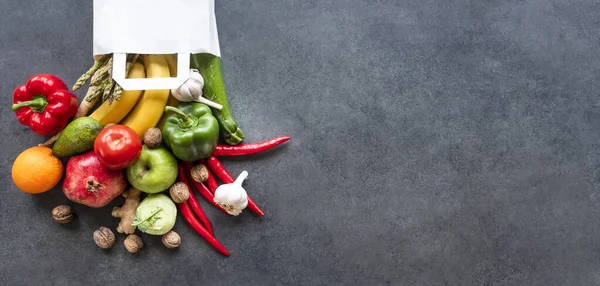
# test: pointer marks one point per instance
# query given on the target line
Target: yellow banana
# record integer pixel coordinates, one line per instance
(150, 107)
(115, 112)
(172, 101)
(172, 62)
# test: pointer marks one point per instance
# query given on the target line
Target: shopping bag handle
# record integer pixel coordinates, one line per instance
(118, 73)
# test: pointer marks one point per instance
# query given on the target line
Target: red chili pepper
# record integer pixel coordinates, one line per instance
(44, 104)
(217, 167)
(187, 214)
(247, 149)
(201, 188)
(219, 170)
(211, 182)
(193, 202)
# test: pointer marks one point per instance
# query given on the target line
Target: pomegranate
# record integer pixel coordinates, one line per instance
(89, 183)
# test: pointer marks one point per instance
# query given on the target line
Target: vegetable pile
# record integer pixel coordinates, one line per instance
(156, 148)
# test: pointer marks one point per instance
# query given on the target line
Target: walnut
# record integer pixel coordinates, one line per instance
(104, 237)
(199, 173)
(153, 137)
(133, 243)
(63, 214)
(179, 192)
(171, 239)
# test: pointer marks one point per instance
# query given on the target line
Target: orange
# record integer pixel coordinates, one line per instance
(36, 170)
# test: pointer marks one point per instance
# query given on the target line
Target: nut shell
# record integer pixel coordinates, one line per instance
(63, 214)
(179, 192)
(133, 243)
(104, 237)
(171, 239)
(199, 173)
(153, 137)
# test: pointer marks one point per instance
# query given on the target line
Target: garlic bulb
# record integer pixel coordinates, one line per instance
(232, 197)
(191, 90)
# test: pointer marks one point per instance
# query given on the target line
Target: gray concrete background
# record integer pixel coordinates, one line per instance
(434, 142)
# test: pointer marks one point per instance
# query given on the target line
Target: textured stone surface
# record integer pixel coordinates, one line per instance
(434, 142)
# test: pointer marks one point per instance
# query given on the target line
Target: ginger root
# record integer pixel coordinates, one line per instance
(127, 211)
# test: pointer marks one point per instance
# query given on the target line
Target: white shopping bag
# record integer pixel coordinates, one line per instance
(154, 27)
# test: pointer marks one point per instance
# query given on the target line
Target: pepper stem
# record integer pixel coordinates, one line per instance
(37, 104)
(181, 114)
(188, 120)
(155, 212)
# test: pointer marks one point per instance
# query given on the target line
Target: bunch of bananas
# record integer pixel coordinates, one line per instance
(137, 109)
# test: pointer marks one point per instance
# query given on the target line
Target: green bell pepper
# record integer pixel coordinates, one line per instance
(191, 131)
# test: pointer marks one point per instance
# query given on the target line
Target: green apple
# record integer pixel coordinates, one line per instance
(154, 171)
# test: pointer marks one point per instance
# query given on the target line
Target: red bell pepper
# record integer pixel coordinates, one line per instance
(44, 104)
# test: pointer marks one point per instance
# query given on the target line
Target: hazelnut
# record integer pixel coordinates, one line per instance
(153, 137)
(199, 173)
(104, 237)
(63, 214)
(133, 243)
(179, 192)
(171, 239)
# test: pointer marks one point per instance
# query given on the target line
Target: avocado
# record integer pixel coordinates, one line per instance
(78, 137)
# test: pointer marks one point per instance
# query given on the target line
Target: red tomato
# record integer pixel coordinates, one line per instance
(117, 147)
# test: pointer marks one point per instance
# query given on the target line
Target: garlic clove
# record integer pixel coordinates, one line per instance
(195, 88)
(191, 90)
(232, 197)
(182, 93)
(195, 75)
